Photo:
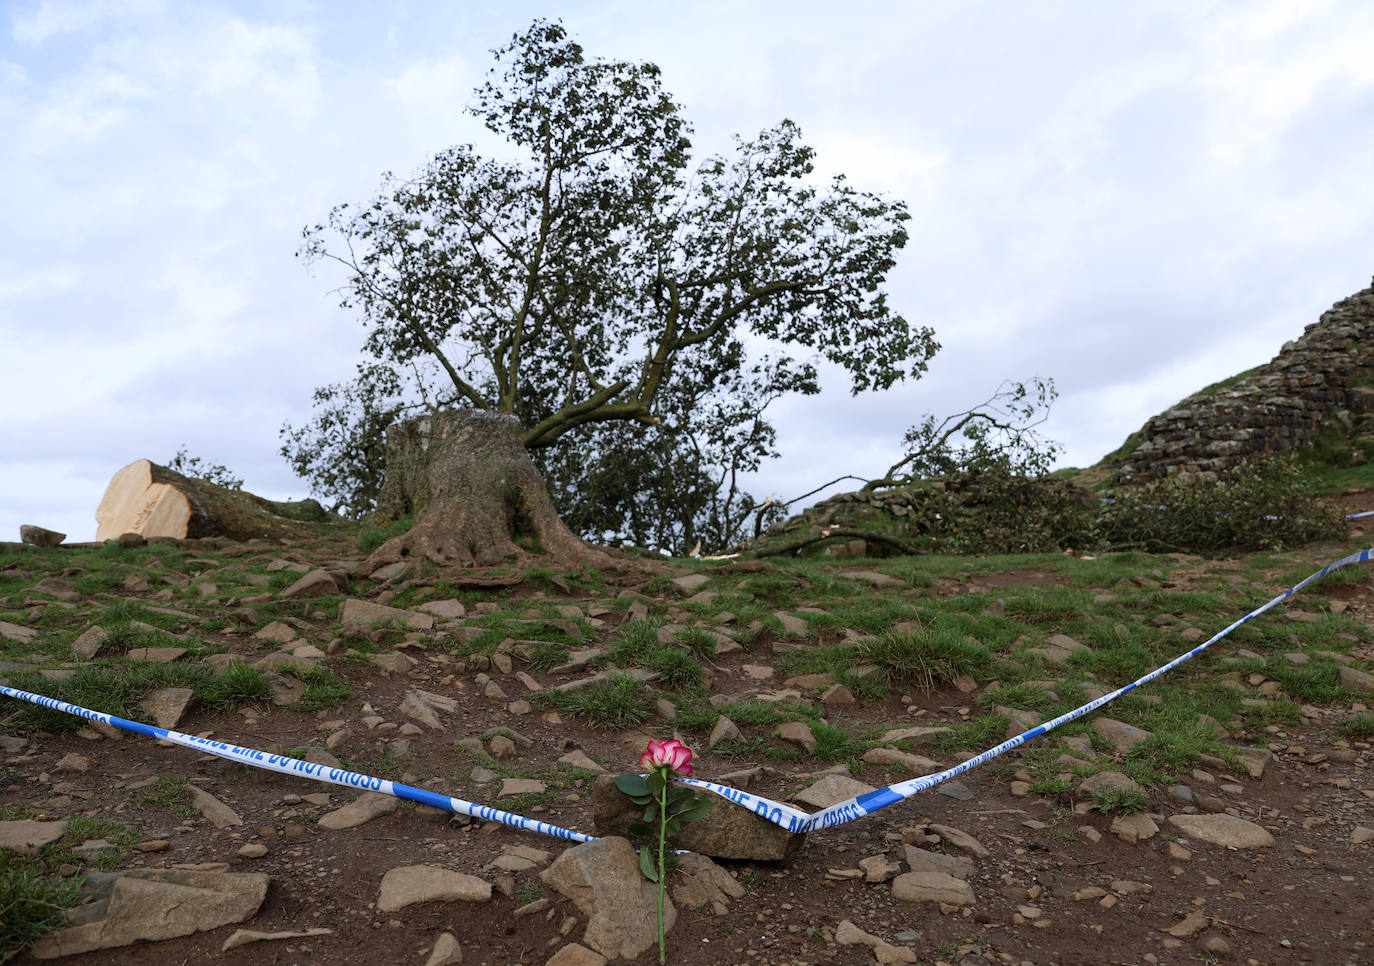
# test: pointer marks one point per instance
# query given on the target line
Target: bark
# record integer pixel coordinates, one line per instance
(476, 497)
(153, 501)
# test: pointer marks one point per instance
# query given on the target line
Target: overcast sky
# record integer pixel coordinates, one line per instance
(1135, 199)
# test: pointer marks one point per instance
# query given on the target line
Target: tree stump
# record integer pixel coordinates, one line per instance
(153, 501)
(477, 498)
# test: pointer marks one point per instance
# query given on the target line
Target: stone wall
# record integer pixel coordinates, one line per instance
(1313, 382)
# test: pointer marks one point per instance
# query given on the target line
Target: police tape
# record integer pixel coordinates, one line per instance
(304, 769)
(780, 813)
(866, 804)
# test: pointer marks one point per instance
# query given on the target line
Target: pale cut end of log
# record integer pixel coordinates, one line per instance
(133, 503)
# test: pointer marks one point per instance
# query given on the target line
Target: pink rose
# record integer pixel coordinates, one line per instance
(673, 753)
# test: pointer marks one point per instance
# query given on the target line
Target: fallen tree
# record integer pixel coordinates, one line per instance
(155, 501)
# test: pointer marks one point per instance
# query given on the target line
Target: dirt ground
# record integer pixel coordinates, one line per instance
(1057, 887)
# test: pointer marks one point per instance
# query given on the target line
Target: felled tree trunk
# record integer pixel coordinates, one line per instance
(153, 501)
(476, 496)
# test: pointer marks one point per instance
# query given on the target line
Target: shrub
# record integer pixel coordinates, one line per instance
(1259, 505)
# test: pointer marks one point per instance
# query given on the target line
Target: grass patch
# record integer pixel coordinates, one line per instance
(322, 689)
(370, 540)
(929, 657)
(169, 793)
(617, 702)
(31, 903)
(1358, 727)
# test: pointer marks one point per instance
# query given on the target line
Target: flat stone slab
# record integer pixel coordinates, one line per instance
(156, 655)
(242, 937)
(446, 609)
(411, 884)
(28, 837)
(151, 904)
(831, 790)
(18, 633)
(356, 611)
(1224, 830)
(932, 885)
(219, 814)
(365, 808)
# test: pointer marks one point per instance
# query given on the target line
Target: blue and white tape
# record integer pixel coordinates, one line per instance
(304, 769)
(780, 813)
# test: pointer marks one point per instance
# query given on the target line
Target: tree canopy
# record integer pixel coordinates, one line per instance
(594, 276)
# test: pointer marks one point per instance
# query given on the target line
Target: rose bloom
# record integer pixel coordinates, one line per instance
(673, 753)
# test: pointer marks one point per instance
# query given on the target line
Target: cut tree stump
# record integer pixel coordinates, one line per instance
(476, 496)
(153, 501)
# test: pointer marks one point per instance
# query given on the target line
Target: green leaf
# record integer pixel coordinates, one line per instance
(651, 812)
(697, 810)
(648, 864)
(656, 782)
(632, 785)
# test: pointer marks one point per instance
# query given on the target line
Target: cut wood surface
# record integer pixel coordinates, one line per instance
(154, 501)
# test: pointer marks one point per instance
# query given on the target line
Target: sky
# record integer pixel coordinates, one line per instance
(1134, 200)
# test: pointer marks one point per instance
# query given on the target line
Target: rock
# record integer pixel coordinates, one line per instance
(90, 642)
(691, 583)
(364, 808)
(796, 733)
(277, 632)
(355, 611)
(603, 880)
(253, 850)
(242, 937)
(521, 786)
(914, 734)
(879, 868)
(932, 886)
(151, 904)
(1190, 925)
(168, 705)
(576, 954)
(72, 762)
(1356, 680)
(219, 814)
(1123, 737)
(831, 790)
(1361, 834)
(578, 758)
(701, 882)
(1108, 782)
(960, 840)
(17, 633)
(28, 837)
(393, 662)
(921, 860)
(446, 951)
(1224, 830)
(313, 583)
(955, 790)
(415, 707)
(724, 730)
(837, 694)
(38, 536)
(916, 764)
(446, 609)
(156, 655)
(1134, 828)
(410, 884)
(728, 831)
(848, 934)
